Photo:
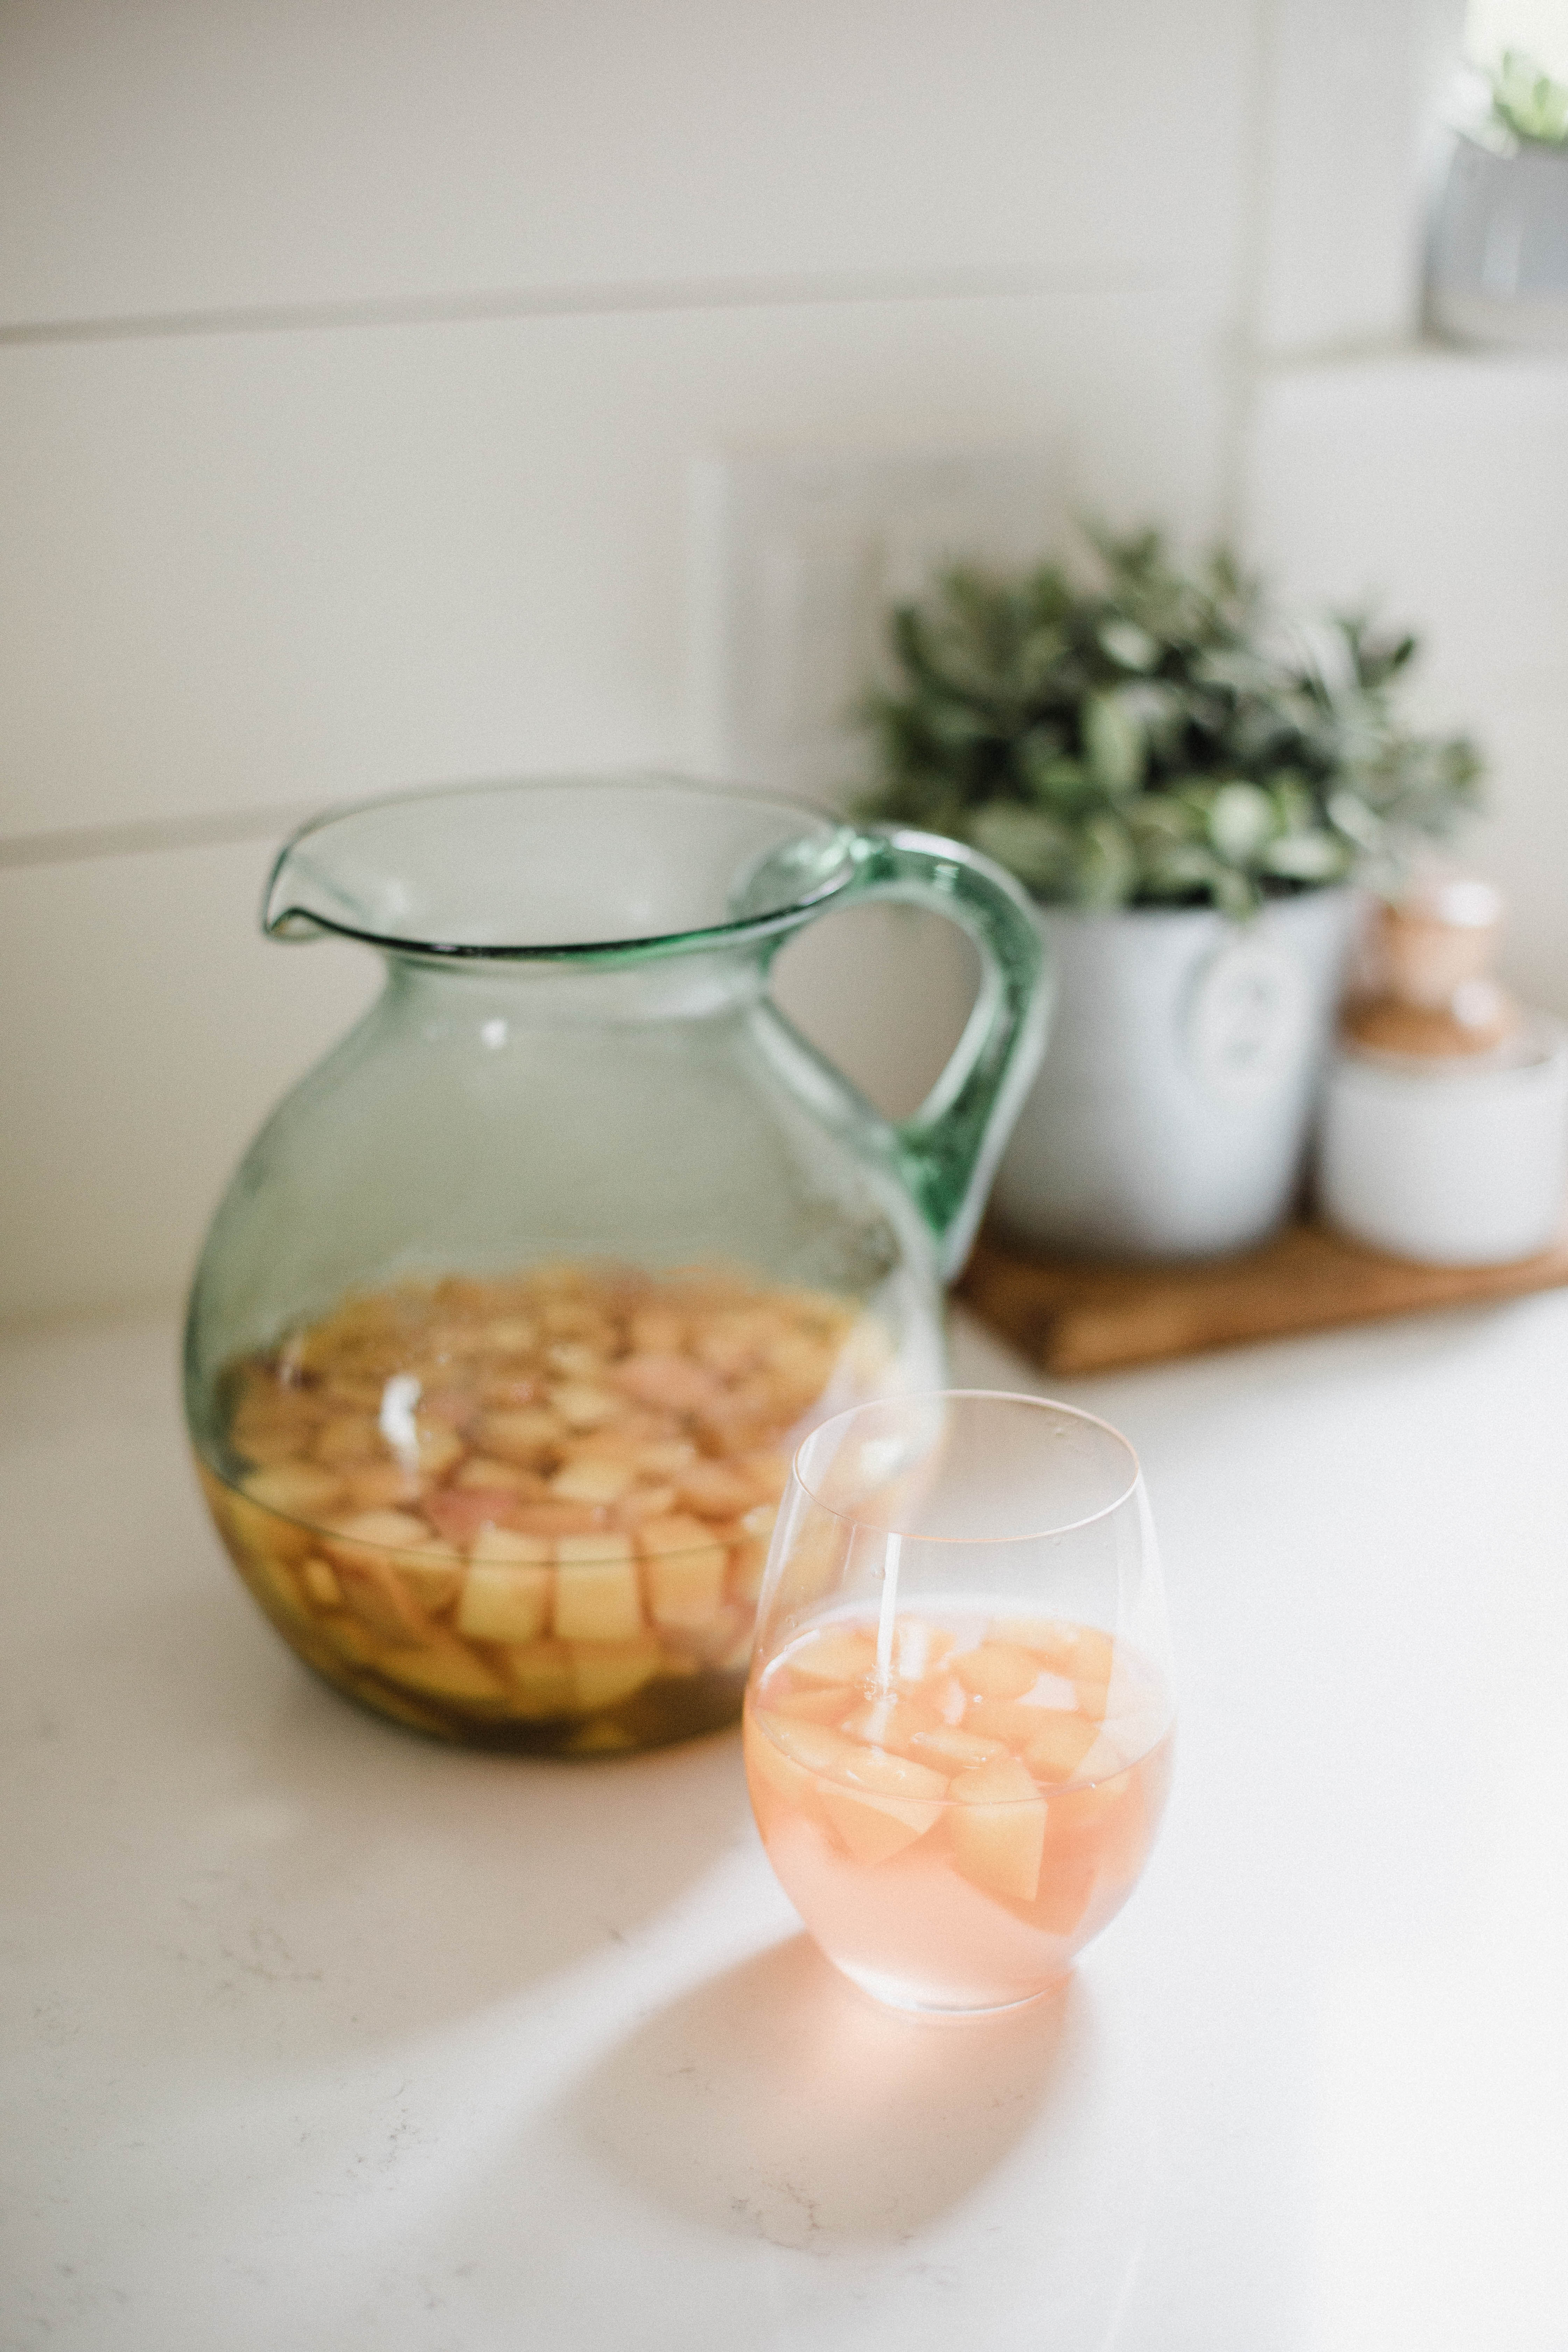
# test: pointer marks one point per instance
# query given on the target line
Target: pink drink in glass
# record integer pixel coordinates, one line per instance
(955, 1821)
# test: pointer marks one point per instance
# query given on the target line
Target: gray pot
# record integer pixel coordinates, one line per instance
(1170, 1116)
(1498, 266)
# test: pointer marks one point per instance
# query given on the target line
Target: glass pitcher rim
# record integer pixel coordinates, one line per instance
(298, 922)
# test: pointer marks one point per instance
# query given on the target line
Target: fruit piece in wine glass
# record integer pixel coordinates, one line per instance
(891, 1802)
(998, 1828)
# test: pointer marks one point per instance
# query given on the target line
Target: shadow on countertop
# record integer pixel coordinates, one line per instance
(777, 2102)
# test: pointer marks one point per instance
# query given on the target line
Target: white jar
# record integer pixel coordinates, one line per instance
(1456, 1164)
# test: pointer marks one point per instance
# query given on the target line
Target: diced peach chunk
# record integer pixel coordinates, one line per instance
(877, 1769)
(504, 1548)
(594, 1480)
(670, 1381)
(890, 1802)
(714, 1492)
(837, 1653)
(296, 1490)
(1007, 1719)
(894, 1719)
(271, 1579)
(352, 1640)
(655, 1331)
(511, 1335)
(489, 1474)
(766, 1474)
(462, 1516)
(444, 1670)
(378, 1597)
(1002, 1782)
(596, 1597)
(645, 1502)
(582, 1406)
(725, 1643)
(802, 1365)
(555, 1518)
(955, 1751)
(813, 1745)
(996, 1669)
(321, 1585)
(1059, 1744)
(266, 1437)
(663, 1457)
(1066, 1882)
(367, 1551)
(603, 1672)
(530, 1435)
(684, 1568)
(434, 1573)
(383, 1532)
(350, 1437)
(541, 1680)
(817, 1702)
(772, 1772)
(1107, 1821)
(506, 1591)
(997, 1823)
(380, 1485)
(383, 1544)
(875, 1828)
(720, 1643)
(1093, 1699)
(437, 1446)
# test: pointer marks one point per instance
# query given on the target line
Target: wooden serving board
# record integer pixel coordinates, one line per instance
(1081, 1315)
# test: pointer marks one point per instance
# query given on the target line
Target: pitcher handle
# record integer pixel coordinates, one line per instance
(947, 1153)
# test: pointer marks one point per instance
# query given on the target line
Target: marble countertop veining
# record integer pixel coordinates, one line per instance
(315, 2035)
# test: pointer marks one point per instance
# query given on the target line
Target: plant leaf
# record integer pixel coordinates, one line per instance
(1113, 743)
(1241, 821)
(1026, 840)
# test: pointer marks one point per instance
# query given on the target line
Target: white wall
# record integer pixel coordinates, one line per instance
(353, 360)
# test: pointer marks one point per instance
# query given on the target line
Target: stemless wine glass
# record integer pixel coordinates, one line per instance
(959, 1719)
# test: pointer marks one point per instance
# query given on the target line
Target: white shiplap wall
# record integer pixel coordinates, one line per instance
(352, 363)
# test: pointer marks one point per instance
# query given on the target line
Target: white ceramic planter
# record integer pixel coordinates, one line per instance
(1498, 263)
(1170, 1116)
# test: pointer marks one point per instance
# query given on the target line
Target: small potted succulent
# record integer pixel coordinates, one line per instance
(1188, 789)
(1499, 263)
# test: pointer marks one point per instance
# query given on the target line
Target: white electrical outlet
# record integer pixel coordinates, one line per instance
(798, 557)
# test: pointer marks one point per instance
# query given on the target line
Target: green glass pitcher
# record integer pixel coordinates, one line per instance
(516, 1308)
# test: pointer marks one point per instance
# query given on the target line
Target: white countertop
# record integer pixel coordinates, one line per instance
(318, 2036)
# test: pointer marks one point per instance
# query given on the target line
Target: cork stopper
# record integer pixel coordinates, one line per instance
(1435, 995)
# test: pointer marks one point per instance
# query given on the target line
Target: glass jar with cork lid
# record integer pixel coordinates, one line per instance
(1444, 1134)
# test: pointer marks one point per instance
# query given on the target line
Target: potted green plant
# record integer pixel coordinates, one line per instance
(1188, 788)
